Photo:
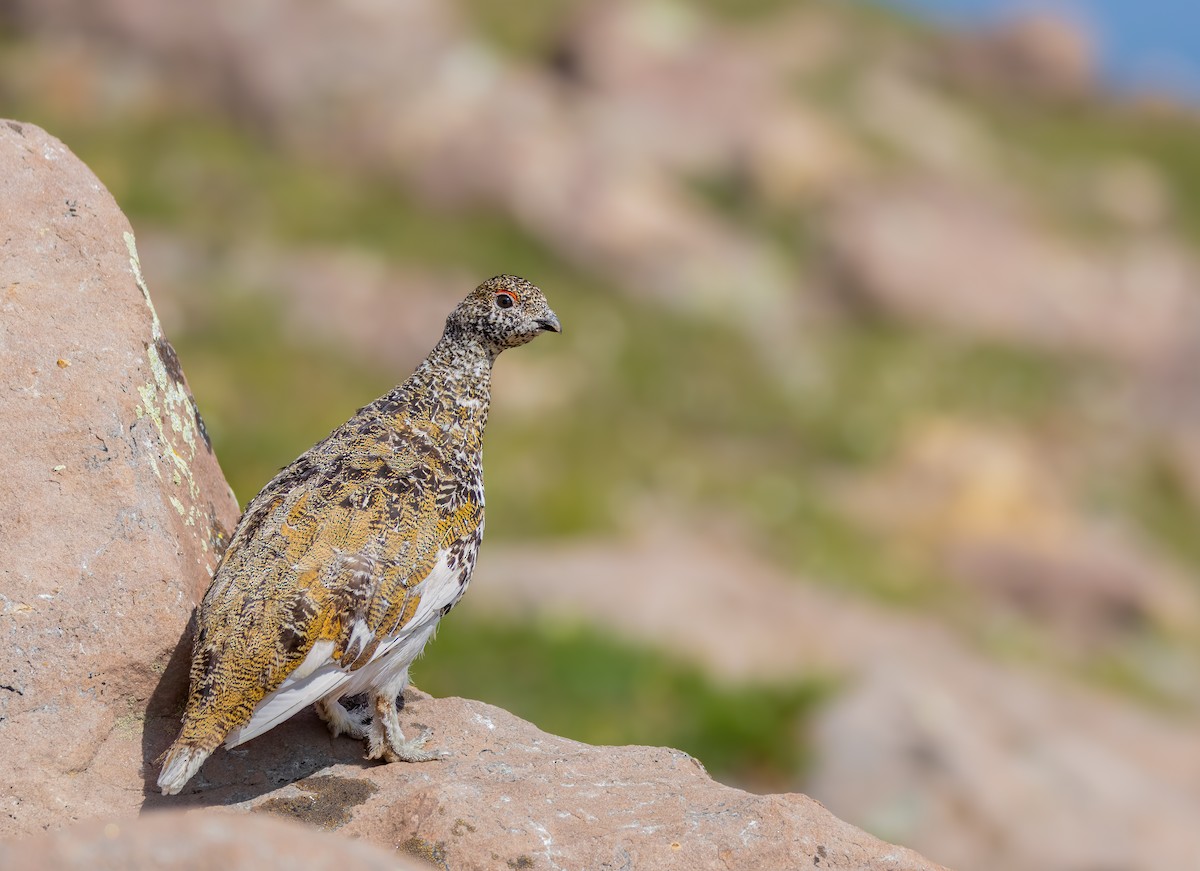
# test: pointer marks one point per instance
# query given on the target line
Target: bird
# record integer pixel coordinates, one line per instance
(340, 569)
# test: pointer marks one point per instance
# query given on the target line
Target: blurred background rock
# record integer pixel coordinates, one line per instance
(869, 462)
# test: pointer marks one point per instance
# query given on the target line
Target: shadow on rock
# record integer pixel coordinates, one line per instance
(165, 707)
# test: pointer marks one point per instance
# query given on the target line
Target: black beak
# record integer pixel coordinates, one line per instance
(550, 322)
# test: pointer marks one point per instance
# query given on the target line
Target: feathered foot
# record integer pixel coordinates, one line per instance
(339, 720)
(386, 741)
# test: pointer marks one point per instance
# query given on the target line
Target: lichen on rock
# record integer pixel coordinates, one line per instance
(170, 406)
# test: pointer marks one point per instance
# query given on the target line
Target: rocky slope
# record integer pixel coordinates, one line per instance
(115, 509)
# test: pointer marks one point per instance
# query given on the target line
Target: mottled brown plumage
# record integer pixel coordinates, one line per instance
(341, 567)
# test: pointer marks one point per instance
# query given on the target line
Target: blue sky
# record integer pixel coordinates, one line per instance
(1142, 42)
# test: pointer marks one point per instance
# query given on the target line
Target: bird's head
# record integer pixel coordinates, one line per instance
(503, 312)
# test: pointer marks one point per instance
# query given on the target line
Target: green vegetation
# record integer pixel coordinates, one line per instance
(1156, 496)
(1064, 141)
(575, 682)
(522, 29)
(1068, 142)
(883, 377)
(249, 377)
(531, 29)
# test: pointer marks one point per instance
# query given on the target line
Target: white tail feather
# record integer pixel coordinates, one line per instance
(181, 764)
(291, 697)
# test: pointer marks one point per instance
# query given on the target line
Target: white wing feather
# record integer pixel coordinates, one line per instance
(319, 675)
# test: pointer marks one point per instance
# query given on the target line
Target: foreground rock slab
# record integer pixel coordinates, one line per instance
(510, 795)
(196, 842)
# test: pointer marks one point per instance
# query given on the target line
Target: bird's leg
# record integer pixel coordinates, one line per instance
(339, 720)
(385, 740)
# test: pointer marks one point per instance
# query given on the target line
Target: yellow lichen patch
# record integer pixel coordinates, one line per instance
(435, 854)
(135, 265)
(129, 725)
(166, 402)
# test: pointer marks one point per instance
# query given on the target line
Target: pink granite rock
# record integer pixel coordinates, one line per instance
(207, 841)
(912, 250)
(513, 796)
(1042, 54)
(112, 505)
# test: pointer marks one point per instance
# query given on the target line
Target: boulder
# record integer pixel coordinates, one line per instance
(112, 505)
(914, 250)
(1044, 55)
(102, 440)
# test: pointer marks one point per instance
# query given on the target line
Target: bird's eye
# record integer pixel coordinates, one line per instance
(505, 299)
